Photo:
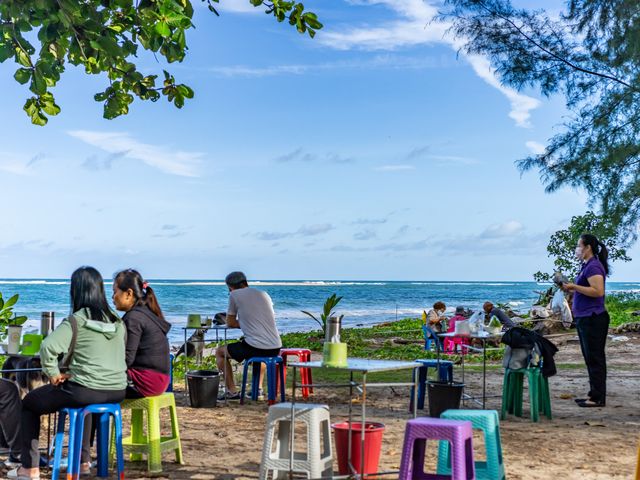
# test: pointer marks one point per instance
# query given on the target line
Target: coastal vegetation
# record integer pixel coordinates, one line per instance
(108, 38)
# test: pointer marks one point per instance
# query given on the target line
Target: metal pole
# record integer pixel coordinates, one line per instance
(186, 359)
(293, 424)
(363, 421)
(484, 372)
(350, 430)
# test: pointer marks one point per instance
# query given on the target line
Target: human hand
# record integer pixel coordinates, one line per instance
(59, 379)
(569, 287)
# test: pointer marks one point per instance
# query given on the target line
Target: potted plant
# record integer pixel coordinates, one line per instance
(327, 311)
(8, 318)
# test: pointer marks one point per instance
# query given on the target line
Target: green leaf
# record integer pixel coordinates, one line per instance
(6, 51)
(38, 84)
(163, 29)
(12, 301)
(22, 58)
(23, 75)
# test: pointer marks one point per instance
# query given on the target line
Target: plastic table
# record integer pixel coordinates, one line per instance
(217, 329)
(354, 365)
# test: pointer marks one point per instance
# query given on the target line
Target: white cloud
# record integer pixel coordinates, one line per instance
(16, 164)
(386, 61)
(415, 27)
(536, 147)
(165, 159)
(506, 229)
(394, 168)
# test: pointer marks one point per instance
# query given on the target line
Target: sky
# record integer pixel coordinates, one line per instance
(373, 151)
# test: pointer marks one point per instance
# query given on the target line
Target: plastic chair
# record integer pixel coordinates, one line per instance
(275, 374)
(487, 421)
(445, 374)
(316, 461)
(304, 355)
(153, 443)
(451, 345)
(539, 395)
(58, 441)
(418, 430)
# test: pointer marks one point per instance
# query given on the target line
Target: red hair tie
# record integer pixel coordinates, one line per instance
(145, 285)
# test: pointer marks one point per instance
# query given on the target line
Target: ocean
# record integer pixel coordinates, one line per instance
(364, 303)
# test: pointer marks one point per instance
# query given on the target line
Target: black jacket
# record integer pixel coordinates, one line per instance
(147, 343)
(518, 337)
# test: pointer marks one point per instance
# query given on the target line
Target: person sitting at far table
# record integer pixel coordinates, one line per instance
(436, 318)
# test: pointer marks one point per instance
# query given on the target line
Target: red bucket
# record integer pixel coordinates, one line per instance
(372, 446)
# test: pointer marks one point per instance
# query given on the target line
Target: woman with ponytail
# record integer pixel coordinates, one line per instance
(591, 315)
(147, 352)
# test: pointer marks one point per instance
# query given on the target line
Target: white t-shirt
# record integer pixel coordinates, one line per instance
(254, 311)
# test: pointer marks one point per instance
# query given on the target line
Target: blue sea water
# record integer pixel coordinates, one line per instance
(364, 303)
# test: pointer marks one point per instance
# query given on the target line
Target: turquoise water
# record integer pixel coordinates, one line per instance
(364, 303)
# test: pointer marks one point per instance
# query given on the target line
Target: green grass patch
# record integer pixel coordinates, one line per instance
(620, 307)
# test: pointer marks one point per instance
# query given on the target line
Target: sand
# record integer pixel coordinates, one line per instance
(226, 442)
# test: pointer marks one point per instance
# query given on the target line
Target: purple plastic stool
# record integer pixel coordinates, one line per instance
(458, 433)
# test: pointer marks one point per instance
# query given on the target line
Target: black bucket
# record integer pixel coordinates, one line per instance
(443, 396)
(203, 388)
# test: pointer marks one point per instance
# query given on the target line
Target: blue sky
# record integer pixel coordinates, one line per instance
(370, 152)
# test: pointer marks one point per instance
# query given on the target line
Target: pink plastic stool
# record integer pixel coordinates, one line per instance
(304, 355)
(458, 433)
(451, 344)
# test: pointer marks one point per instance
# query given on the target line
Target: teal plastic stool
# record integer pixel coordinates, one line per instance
(539, 395)
(488, 422)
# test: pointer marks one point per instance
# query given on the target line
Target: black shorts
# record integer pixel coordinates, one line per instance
(241, 351)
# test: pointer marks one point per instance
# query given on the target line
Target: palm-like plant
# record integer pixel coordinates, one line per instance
(327, 311)
(7, 317)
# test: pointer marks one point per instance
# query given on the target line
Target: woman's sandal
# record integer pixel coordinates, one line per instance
(580, 400)
(591, 404)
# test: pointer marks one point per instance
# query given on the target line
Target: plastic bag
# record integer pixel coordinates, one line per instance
(476, 321)
(560, 305)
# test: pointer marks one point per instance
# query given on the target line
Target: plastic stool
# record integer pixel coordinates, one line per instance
(488, 422)
(153, 443)
(275, 374)
(458, 433)
(539, 396)
(445, 373)
(104, 410)
(450, 345)
(317, 461)
(58, 441)
(304, 355)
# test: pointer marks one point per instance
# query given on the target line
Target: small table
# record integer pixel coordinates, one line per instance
(483, 337)
(363, 366)
(217, 329)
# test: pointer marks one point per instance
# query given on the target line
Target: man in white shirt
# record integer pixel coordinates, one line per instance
(250, 310)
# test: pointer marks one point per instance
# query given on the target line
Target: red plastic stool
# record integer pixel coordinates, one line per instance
(451, 344)
(304, 355)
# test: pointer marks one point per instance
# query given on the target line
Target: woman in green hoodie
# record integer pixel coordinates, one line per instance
(96, 370)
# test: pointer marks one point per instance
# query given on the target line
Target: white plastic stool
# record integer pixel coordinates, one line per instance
(317, 461)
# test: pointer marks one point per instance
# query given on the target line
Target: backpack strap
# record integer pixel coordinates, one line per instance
(66, 361)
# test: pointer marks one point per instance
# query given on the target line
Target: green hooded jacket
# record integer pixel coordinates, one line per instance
(98, 360)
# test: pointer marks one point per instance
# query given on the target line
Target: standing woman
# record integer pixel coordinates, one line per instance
(148, 363)
(591, 315)
(97, 370)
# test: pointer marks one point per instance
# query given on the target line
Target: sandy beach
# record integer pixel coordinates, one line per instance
(226, 442)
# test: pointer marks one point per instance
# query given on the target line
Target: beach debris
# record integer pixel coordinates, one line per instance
(627, 328)
(566, 396)
(619, 338)
(538, 311)
(593, 423)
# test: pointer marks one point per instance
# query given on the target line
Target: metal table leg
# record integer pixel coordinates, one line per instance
(293, 423)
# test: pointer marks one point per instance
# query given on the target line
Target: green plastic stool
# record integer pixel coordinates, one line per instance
(488, 422)
(153, 443)
(539, 395)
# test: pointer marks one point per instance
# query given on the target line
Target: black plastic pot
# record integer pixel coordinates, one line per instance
(443, 396)
(203, 388)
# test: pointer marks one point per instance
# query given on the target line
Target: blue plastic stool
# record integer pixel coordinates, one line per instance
(488, 422)
(275, 375)
(445, 374)
(104, 410)
(72, 413)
